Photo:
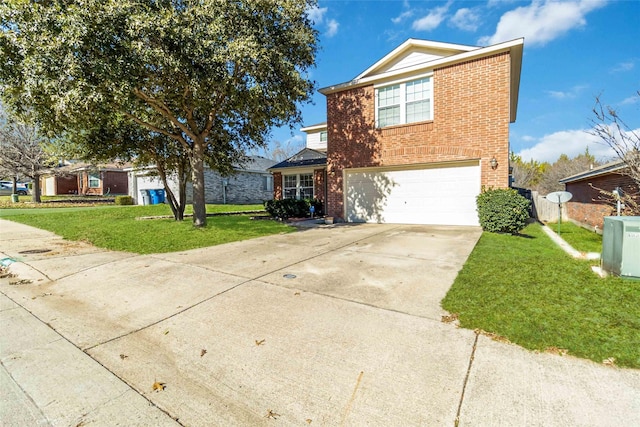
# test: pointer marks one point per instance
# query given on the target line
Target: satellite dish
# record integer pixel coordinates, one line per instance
(559, 196)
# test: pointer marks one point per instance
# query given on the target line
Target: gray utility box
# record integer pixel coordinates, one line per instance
(621, 245)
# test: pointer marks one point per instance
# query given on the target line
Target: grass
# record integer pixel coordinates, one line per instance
(528, 290)
(578, 237)
(116, 227)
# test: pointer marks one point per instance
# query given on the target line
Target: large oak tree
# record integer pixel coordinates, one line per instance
(212, 75)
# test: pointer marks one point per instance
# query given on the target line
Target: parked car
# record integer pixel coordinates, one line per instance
(6, 188)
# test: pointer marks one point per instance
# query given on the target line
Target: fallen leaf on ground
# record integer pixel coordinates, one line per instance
(123, 356)
(449, 318)
(158, 386)
(21, 282)
(493, 336)
(203, 352)
(271, 414)
(166, 332)
(260, 342)
(610, 361)
(558, 351)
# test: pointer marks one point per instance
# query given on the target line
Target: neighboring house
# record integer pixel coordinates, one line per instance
(85, 179)
(415, 137)
(587, 205)
(250, 183)
(304, 175)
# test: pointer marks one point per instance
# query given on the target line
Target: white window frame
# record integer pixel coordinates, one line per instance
(403, 98)
(94, 177)
(323, 136)
(298, 188)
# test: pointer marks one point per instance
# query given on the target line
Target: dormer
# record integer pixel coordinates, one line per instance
(316, 136)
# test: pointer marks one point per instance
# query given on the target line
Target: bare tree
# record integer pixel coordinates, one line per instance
(279, 151)
(562, 168)
(22, 152)
(614, 132)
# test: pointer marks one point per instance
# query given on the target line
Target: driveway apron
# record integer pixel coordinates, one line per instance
(327, 326)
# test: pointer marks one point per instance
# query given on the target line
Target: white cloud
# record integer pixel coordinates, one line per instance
(570, 94)
(433, 19)
(630, 100)
(569, 142)
(542, 21)
(466, 19)
(316, 14)
(623, 66)
(404, 15)
(332, 28)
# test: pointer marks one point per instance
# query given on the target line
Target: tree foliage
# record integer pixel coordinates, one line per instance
(525, 174)
(213, 76)
(562, 168)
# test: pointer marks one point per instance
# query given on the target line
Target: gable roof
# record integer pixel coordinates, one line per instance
(304, 158)
(255, 164)
(415, 56)
(411, 52)
(612, 167)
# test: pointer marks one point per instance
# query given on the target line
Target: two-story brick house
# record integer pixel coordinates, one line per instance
(415, 137)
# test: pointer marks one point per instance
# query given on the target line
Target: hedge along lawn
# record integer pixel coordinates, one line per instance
(116, 227)
(526, 289)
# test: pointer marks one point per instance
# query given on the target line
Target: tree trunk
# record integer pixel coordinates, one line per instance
(197, 173)
(35, 196)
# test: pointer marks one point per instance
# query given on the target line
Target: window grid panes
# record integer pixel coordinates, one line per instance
(323, 136)
(404, 103)
(298, 186)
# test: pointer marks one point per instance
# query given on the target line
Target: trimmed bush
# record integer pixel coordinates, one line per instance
(292, 208)
(124, 200)
(502, 211)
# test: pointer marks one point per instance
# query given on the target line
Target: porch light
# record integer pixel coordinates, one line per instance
(493, 162)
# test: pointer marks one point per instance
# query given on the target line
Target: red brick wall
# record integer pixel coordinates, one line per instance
(471, 121)
(587, 206)
(318, 185)
(277, 186)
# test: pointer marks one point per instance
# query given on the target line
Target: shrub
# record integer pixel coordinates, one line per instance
(124, 200)
(502, 211)
(292, 208)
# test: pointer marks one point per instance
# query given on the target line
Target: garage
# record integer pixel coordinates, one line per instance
(441, 194)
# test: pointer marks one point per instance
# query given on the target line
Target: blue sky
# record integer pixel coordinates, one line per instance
(574, 50)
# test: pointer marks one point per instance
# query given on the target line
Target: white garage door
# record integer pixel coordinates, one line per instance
(431, 195)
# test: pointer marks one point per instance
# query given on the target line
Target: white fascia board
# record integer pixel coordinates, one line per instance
(314, 128)
(414, 42)
(296, 170)
(450, 60)
(403, 79)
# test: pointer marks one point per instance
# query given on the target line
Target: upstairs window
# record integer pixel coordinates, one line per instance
(323, 136)
(403, 103)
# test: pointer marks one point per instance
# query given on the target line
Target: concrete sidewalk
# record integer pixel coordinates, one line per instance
(330, 326)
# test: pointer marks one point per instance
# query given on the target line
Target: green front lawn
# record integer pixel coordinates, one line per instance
(116, 227)
(529, 291)
(578, 237)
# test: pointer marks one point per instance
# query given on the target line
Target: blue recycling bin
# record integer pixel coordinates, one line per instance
(160, 193)
(153, 195)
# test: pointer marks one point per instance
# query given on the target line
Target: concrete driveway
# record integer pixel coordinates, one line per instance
(327, 326)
